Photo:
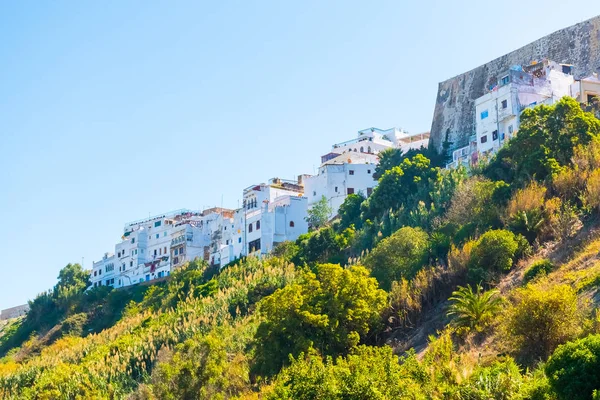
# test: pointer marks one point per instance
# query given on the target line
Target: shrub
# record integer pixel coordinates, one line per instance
(332, 310)
(493, 253)
(473, 309)
(399, 255)
(366, 373)
(499, 381)
(592, 190)
(538, 268)
(541, 318)
(573, 368)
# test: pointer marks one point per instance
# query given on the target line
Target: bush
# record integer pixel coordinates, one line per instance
(332, 310)
(366, 373)
(573, 368)
(538, 268)
(541, 318)
(493, 253)
(499, 381)
(400, 255)
(473, 309)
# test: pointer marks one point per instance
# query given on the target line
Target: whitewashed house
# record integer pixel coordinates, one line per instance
(497, 113)
(273, 213)
(350, 165)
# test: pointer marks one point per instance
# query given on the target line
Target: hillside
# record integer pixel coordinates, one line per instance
(443, 284)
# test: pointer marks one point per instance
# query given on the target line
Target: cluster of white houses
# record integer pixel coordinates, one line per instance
(274, 212)
(497, 113)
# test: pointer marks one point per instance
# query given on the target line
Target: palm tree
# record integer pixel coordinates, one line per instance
(472, 309)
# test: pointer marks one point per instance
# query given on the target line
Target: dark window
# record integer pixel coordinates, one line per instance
(154, 252)
(495, 135)
(510, 129)
(336, 189)
(250, 227)
(484, 139)
(132, 240)
(368, 171)
(505, 80)
(95, 273)
(351, 172)
(291, 224)
(504, 104)
(99, 272)
(254, 246)
(257, 225)
(350, 190)
(157, 224)
(240, 240)
(131, 263)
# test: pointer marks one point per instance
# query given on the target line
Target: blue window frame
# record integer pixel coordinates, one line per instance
(484, 114)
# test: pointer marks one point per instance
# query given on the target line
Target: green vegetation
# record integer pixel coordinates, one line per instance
(424, 290)
(473, 309)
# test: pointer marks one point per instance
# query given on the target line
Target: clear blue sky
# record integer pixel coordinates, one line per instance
(110, 110)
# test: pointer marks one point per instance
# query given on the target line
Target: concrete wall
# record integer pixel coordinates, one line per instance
(454, 108)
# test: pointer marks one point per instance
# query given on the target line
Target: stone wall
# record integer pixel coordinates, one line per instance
(455, 104)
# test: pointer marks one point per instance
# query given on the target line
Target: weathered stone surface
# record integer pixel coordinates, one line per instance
(455, 109)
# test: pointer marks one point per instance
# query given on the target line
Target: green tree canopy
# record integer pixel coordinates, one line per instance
(331, 310)
(398, 256)
(349, 211)
(545, 142)
(318, 214)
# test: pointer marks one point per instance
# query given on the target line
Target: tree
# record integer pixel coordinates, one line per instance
(366, 373)
(545, 143)
(318, 215)
(332, 310)
(405, 185)
(400, 255)
(72, 275)
(388, 159)
(473, 309)
(541, 318)
(573, 369)
(494, 253)
(349, 211)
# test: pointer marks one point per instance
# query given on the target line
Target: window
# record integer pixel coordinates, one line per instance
(157, 224)
(99, 272)
(484, 139)
(165, 233)
(495, 135)
(510, 129)
(119, 282)
(165, 250)
(227, 242)
(95, 273)
(157, 235)
(131, 263)
(351, 172)
(123, 266)
(484, 114)
(257, 225)
(119, 254)
(368, 171)
(160, 252)
(147, 277)
(250, 227)
(350, 190)
(369, 150)
(362, 149)
(369, 191)
(239, 240)
(155, 252)
(176, 260)
(504, 104)
(291, 224)
(132, 253)
(132, 240)
(314, 193)
(335, 189)
(505, 80)
(136, 251)
(112, 281)
(254, 246)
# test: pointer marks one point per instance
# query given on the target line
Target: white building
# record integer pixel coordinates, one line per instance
(151, 248)
(497, 113)
(273, 213)
(350, 166)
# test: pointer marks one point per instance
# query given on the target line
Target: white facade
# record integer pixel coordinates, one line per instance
(151, 248)
(273, 213)
(350, 166)
(337, 178)
(497, 113)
